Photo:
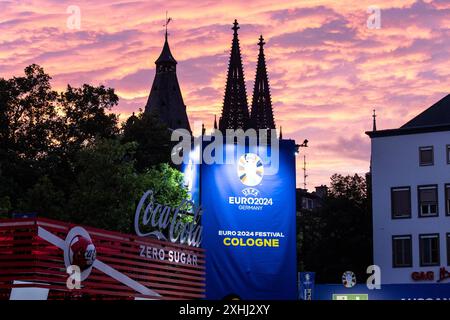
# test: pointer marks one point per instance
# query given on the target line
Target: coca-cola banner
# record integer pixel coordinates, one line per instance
(249, 223)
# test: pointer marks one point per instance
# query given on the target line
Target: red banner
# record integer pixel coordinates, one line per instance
(123, 267)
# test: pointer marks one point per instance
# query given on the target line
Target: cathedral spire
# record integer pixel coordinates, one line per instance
(262, 113)
(235, 108)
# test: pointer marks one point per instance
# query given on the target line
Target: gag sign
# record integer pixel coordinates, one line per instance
(429, 275)
(175, 225)
(249, 224)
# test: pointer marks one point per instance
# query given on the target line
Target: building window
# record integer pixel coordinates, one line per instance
(428, 201)
(401, 202)
(429, 250)
(426, 157)
(401, 251)
(448, 153)
(447, 199)
(448, 249)
(307, 204)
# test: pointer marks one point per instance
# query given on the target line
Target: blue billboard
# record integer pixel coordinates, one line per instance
(249, 224)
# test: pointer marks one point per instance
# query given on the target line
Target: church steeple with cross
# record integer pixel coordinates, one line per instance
(165, 97)
(235, 113)
(262, 113)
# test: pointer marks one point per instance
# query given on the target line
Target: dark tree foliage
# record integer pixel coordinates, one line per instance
(337, 237)
(28, 128)
(152, 138)
(85, 117)
(28, 114)
(107, 186)
(62, 154)
(43, 130)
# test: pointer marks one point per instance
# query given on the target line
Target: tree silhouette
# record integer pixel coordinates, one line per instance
(62, 154)
(337, 237)
(152, 138)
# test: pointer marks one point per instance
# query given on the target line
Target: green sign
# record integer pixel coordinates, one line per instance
(344, 296)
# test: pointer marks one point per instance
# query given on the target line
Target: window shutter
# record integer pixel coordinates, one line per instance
(401, 202)
(428, 195)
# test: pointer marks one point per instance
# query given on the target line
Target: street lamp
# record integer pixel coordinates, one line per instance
(298, 146)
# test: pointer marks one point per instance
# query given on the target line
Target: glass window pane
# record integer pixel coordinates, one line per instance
(429, 250)
(408, 252)
(426, 156)
(447, 199)
(401, 202)
(401, 251)
(448, 249)
(434, 250)
(448, 154)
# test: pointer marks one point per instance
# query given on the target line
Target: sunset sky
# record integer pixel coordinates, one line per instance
(327, 69)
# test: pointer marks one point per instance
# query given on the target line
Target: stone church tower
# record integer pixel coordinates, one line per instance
(165, 97)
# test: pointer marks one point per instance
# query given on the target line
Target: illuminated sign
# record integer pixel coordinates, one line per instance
(171, 255)
(191, 175)
(422, 276)
(249, 224)
(429, 275)
(443, 274)
(160, 218)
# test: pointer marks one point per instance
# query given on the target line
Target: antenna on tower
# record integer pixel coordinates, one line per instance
(374, 125)
(304, 172)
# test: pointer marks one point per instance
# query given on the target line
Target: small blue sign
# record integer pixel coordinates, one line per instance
(306, 285)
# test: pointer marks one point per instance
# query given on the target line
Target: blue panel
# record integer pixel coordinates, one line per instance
(191, 175)
(249, 226)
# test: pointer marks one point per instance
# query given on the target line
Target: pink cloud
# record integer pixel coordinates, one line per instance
(327, 69)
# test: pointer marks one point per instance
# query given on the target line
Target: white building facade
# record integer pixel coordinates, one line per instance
(411, 198)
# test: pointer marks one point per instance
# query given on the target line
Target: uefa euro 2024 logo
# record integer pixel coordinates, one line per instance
(250, 171)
